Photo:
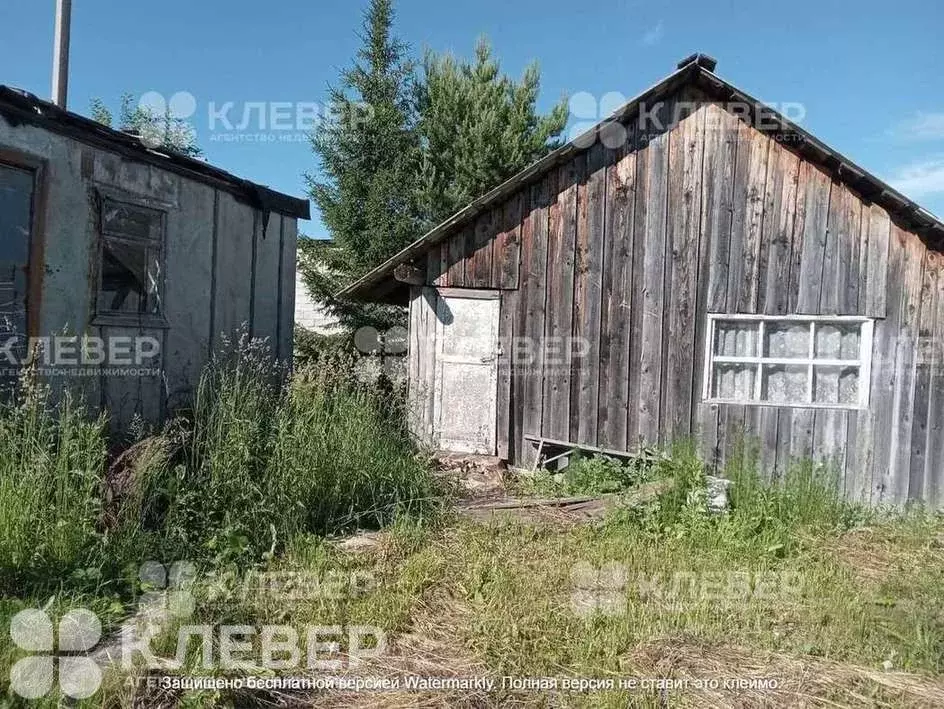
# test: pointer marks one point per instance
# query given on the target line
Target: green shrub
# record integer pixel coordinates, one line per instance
(267, 460)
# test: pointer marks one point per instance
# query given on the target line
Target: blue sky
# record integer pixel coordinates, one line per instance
(870, 74)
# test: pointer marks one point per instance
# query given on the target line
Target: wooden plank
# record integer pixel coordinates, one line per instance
(506, 250)
(429, 328)
(585, 387)
(874, 230)
(906, 365)
(801, 434)
(481, 256)
(840, 287)
(686, 154)
(721, 129)
(652, 304)
(897, 358)
(455, 275)
(923, 366)
(780, 216)
(505, 440)
(750, 179)
(640, 211)
(877, 263)
(774, 273)
(414, 410)
(884, 372)
(618, 301)
(534, 283)
(813, 237)
(721, 144)
(437, 265)
(934, 453)
(562, 231)
(839, 282)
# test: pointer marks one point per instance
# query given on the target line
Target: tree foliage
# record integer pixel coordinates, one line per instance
(368, 156)
(478, 128)
(404, 151)
(155, 129)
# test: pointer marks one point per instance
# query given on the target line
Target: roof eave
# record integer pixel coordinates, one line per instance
(21, 107)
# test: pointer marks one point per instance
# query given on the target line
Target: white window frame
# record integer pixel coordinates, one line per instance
(863, 362)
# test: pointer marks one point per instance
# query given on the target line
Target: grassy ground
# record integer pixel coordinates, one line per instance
(795, 596)
(834, 606)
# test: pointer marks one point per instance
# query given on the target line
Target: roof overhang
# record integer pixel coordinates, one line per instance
(18, 107)
(380, 285)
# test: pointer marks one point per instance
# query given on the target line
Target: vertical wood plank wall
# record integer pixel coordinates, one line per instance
(630, 248)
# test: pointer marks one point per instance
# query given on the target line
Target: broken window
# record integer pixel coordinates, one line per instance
(818, 361)
(130, 277)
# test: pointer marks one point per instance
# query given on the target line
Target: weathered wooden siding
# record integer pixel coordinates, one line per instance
(627, 250)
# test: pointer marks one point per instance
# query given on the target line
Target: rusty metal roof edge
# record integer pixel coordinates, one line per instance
(883, 193)
(18, 106)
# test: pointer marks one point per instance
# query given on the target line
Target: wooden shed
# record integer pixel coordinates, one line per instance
(697, 265)
(143, 256)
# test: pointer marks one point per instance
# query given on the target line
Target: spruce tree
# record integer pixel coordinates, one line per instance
(369, 155)
(478, 127)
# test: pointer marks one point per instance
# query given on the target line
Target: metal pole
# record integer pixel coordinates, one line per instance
(60, 57)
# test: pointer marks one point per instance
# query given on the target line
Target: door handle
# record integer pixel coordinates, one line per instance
(488, 358)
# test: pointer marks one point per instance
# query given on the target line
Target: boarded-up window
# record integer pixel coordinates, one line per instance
(788, 361)
(130, 276)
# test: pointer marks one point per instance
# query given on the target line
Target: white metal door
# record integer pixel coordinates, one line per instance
(466, 372)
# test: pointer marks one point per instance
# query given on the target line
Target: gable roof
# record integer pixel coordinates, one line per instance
(696, 70)
(18, 107)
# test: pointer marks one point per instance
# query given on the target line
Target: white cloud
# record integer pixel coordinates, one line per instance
(921, 126)
(920, 179)
(653, 35)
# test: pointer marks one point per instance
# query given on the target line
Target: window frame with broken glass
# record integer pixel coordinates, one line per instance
(141, 233)
(804, 361)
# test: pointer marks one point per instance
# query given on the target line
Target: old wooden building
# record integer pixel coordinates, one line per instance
(697, 265)
(146, 255)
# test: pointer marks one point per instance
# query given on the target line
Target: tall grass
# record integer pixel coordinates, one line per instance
(52, 462)
(259, 460)
(766, 517)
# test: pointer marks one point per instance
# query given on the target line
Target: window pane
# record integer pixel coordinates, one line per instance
(130, 220)
(734, 381)
(787, 339)
(124, 277)
(836, 341)
(784, 383)
(835, 385)
(735, 339)
(153, 282)
(16, 200)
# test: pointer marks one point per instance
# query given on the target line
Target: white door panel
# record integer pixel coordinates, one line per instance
(466, 373)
